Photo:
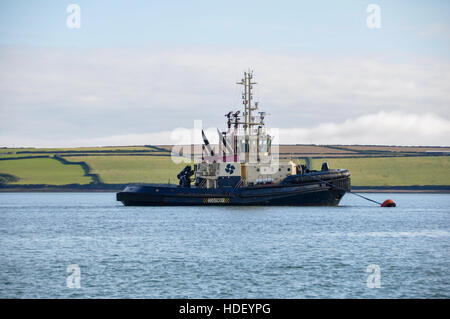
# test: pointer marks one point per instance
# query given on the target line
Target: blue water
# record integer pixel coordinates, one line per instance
(223, 252)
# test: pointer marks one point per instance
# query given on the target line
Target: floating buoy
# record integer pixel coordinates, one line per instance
(388, 203)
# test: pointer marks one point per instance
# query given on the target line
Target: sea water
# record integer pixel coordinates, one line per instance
(87, 245)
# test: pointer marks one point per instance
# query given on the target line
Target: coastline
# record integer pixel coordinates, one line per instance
(402, 189)
(437, 189)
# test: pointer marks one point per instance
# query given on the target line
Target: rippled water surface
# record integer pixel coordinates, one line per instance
(223, 252)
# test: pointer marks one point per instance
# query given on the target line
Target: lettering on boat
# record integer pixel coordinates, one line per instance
(215, 200)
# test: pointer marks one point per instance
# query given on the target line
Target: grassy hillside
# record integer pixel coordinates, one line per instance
(78, 149)
(44, 171)
(401, 171)
(127, 169)
(369, 165)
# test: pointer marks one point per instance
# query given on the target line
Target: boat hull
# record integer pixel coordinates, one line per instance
(307, 193)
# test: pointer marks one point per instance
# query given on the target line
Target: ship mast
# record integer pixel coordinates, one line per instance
(247, 98)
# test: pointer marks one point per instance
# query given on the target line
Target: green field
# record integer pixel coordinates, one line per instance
(44, 171)
(78, 149)
(132, 169)
(389, 171)
(122, 168)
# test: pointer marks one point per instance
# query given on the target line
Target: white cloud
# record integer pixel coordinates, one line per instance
(62, 95)
(383, 128)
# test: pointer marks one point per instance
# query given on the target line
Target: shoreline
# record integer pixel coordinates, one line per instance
(72, 188)
(430, 189)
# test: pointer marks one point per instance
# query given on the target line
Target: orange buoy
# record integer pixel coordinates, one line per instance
(388, 203)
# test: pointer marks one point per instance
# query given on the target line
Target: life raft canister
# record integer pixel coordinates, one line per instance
(388, 203)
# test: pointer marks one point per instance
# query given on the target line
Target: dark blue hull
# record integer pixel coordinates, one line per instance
(303, 191)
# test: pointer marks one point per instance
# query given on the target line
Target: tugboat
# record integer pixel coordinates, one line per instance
(245, 171)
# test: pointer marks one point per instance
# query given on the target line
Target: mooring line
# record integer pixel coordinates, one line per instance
(342, 189)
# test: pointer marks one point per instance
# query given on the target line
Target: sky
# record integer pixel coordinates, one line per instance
(136, 71)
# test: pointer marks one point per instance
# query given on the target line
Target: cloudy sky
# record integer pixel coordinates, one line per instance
(137, 70)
